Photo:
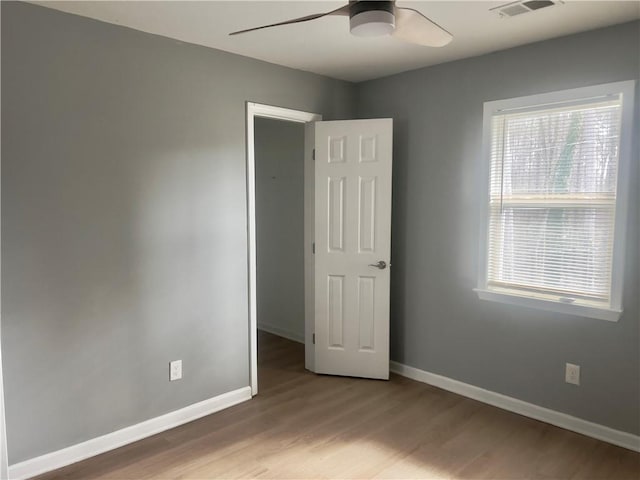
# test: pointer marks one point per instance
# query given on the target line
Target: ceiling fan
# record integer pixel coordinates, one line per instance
(376, 18)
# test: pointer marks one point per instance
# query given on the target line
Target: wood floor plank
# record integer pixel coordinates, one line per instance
(303, 425)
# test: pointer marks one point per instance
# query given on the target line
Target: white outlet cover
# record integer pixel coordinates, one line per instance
(175, 370)
(572, 374)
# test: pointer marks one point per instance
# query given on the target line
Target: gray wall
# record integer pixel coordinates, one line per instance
(279, 154)
(124, 221)
(438, 323)
(4, 461)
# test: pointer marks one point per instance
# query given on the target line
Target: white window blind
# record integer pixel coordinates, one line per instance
(552, 200)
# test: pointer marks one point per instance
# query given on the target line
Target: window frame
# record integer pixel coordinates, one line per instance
(557, 98)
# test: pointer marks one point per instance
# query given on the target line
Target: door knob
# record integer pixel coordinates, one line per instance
(381, 265)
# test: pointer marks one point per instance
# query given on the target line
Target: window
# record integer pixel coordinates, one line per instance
(557, 173)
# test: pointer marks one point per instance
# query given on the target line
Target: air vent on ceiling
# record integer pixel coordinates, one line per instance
(512, 9)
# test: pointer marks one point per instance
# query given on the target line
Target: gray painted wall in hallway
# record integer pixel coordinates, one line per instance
(124, 221)
(279, 148)
(438, 323)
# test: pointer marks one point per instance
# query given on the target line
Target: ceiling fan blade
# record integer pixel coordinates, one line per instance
(414, 27)
(338, 11)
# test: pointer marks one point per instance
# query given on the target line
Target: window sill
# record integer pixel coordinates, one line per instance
(581, 310)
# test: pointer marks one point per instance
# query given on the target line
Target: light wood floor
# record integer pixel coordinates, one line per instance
(307, 426)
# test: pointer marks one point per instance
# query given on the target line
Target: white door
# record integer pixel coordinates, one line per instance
(352, 247)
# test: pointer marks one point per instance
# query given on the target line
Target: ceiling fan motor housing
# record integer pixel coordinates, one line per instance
(371, 18)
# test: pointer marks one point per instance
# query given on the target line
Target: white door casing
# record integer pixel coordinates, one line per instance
(353, 162)
(267, 111)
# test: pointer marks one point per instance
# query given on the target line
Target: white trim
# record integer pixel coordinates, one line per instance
(568, 422)
(622, 189)
(81, 451)
(589, 311)
(266, 111)
(281, 332)
(309, 242)
(626, 89)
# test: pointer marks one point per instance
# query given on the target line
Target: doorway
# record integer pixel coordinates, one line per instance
(262, 121)
(279, 152)
(279, 155)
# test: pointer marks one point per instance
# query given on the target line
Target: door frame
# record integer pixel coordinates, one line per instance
(278, 113)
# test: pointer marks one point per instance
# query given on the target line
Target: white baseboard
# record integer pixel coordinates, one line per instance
(75, 453)
(281, 332)
(568, 422)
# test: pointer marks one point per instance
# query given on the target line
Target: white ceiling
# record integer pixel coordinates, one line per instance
(326, 47)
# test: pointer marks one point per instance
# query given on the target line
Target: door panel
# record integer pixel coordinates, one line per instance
(352, 234)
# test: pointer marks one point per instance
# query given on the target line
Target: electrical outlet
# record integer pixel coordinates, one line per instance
(572, 374)
(175, 370)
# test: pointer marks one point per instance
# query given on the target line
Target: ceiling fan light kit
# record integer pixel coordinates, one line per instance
(373, 24)
(372, 19)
